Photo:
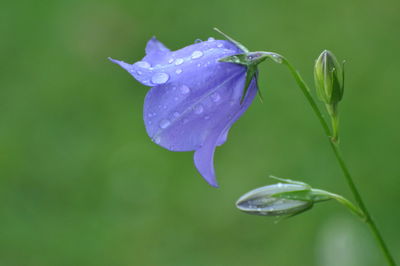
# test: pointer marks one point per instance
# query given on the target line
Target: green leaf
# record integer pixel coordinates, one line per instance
(238, 44)
(251, 72)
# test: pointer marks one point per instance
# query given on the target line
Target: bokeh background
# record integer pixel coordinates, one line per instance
(82, 184)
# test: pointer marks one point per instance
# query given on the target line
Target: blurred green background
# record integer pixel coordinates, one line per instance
(82, 184)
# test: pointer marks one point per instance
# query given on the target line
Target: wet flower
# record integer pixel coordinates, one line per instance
(194, 99)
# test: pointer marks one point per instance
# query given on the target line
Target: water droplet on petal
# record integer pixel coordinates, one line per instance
(178, 71)
(197, 40)
(198, 109)
(220, 45)
(215, 97)
(164, 123)
(178, 61)
(197, 54)
(159, 78)
(185, 89)
(143, 64)
(157, 140)
(206, 117)
(170, 61)
(139, 72)
(211, 39)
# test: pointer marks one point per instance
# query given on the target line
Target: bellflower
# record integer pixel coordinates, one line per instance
(194, 98)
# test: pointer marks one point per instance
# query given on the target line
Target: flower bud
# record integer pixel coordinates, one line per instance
(261, 201)
(328, 77)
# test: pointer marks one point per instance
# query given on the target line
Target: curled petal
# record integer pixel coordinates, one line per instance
(204, 157)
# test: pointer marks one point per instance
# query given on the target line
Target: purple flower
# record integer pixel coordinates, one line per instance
(194, 99)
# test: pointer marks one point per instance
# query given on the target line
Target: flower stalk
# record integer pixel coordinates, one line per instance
(331, 93)
(336, 150)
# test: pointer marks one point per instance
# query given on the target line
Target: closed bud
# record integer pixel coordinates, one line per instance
(261, 201)
(328, 77)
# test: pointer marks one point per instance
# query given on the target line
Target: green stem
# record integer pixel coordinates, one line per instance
(342, 200)
(368, 219)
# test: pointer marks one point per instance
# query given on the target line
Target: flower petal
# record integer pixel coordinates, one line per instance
(195, 99)
(204, 157)
(180, 116)
(156, 52)
(160, 65)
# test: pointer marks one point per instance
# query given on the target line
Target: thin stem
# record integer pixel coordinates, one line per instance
(335, 147)
(344, 201)
(357, 196)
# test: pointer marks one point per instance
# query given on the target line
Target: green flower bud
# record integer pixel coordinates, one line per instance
(329, 79)
(289, 198)
(261, 201)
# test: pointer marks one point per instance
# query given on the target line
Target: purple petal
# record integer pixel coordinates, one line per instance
(195, 99)
(160, 65)
(180, 116)
(204, 157)
(156, 52)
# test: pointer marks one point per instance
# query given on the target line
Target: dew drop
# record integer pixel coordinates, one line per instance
(164, 123)
(176, 114)
(178, 71)
(185, 89)
(157, 140)
(143, 64)
(139, 72)
(220, 45)
(211, 39)
(197, 54)
(178, 61)
(170, 61)
(159, 78)
(206, 117)
(197, 41)
(277, 58)
(215, 97)
(198, 109)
